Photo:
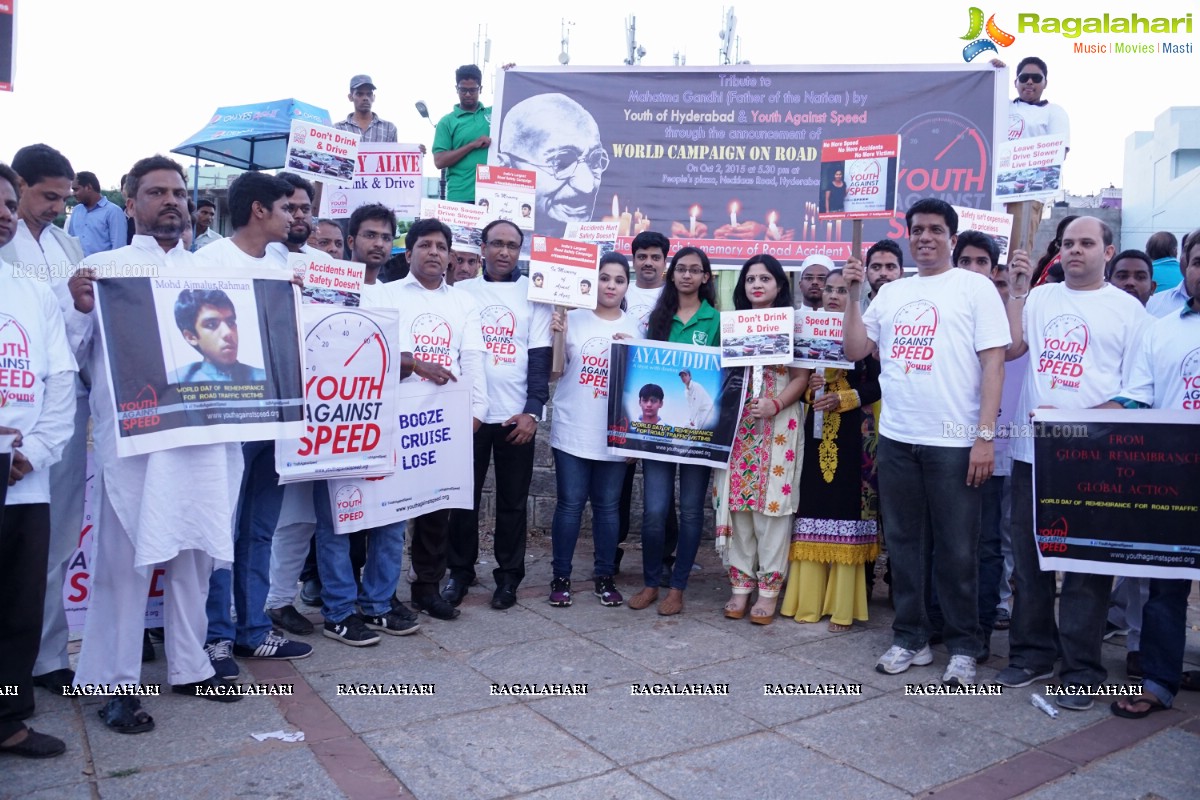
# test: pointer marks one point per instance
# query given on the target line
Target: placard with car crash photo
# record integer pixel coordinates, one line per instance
(1029, 169)
(757, 337)
(202, 358)
(818, 341)
(327, 154)
(465, 220)
(672, 402)
(328, 281)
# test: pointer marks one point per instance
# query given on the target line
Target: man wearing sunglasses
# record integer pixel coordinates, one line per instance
(462, 138)
(1030, 115)
(558, 139)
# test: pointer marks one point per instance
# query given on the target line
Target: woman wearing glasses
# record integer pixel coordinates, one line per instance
(833, 536)
(684, 314)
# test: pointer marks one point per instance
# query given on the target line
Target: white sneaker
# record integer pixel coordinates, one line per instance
(960, 671)
(897, 659)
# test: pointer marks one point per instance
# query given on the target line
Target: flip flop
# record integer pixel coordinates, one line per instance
(125, 715)
(1190, 680)
(836, 627)
(1151, 702)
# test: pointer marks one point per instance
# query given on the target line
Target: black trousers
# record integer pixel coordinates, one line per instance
(514, 472)
(623, 511)
(428, 534)
(24, 551)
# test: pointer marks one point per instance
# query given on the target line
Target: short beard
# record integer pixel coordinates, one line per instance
(162, 230)
(299, 239)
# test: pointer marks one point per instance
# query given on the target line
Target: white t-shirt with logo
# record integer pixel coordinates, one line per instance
(511, 326)
(1006, 420)
(1026, 121)
(580, 421)
(1081, 348)
(437, 326)
(639, 303)
(33, 346)
(227, 253)
(930, 331)
(1166, 369)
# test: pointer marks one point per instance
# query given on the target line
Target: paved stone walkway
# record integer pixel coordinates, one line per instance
(464, 742)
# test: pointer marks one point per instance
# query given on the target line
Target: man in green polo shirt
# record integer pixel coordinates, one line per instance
(462, 139)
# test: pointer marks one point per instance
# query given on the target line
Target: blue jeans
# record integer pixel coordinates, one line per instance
(381, 573)
(924, 498)
(656, 505)
(991, 557)
(581, 479)
(1035, 639)
(258, 514)
(1164, 621)
(219, 607)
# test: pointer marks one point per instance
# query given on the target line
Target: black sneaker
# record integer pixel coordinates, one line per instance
(352, 631)
(392, 623)
(606, 590)
(310, 592)
(403, 611)
(504, 597)
(289, 619)
(220, 655)
(560, 592)
(274, 648)
(435, 606)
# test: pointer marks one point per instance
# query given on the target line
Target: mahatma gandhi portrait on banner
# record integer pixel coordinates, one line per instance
(555, 136)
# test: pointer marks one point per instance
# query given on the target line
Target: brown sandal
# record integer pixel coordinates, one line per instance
(732, 611)
(643, 598)
(757, 615)
(672, 604)
(837, 627)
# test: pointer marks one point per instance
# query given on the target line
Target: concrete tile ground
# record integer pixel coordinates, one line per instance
(463, 741)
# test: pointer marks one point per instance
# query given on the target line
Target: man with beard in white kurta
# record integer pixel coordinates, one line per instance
(147, 515)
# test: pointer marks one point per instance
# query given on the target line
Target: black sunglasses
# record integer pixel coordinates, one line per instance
(1026, 77)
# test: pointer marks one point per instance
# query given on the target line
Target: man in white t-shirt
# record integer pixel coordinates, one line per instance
(649, 249)
(517, 335)
(439, 324)
(1030, 115)
(941, 337)
(38, 389)
(1081, 336)
(885, 263)
(261, 210)
(42, 251)
(699, 401)
(1166, 374)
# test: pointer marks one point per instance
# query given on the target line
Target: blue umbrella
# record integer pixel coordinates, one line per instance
(252, 136)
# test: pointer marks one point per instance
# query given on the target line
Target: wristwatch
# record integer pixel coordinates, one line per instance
(986, 434)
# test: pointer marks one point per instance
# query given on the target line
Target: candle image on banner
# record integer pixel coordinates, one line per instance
(324, 153)
(386, 173)
(672, 402)
(757, 337)
(858, 177)
(564, 273)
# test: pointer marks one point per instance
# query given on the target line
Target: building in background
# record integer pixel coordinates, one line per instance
(1162, 177)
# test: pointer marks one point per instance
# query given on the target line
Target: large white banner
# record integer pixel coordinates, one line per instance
(433, 453)
(387, 173)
